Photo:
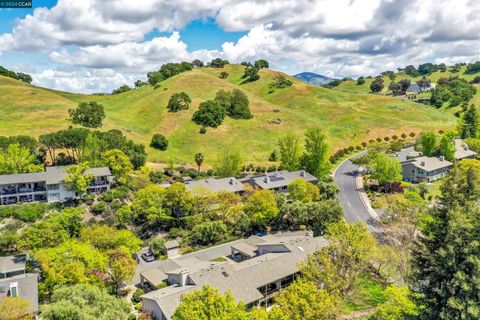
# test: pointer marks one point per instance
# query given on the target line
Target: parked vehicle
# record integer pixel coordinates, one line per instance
(148, 257)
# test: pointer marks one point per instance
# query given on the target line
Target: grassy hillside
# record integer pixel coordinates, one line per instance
(351, 85)
(347, 118)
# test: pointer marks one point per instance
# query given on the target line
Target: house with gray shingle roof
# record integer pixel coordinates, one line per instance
(425, 169)
(255, 269)
(48, 185)
(15, 282)
(217, 185)
(278, 181)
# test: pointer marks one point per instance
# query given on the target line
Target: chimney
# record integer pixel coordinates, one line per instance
(266, 179)
(183, 276)
(441, 158)
(232, 181)
(465, 147)
(302, 173)
(422, 163)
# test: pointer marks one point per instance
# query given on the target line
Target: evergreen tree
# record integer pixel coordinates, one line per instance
(469, 127)
(446, 262)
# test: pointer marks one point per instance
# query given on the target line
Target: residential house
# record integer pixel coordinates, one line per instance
(216, 185)
(253, 271)
(278, 181)
(15, 282)
(462, 151)
(412, 91)
(425, 169)
(47, 186)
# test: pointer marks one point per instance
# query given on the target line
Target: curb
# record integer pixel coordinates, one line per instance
(364, 198)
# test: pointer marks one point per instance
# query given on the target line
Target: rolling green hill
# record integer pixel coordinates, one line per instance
(347, 118)
(351, 85)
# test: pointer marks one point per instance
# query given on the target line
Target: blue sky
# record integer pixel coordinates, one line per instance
(98, 45)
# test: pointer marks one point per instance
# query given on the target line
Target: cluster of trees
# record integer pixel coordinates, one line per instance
(203, 217)
(171, 69)
(251, 71)
(211, 113)
(83, 145)
(473, 68)
(15, 75)
(431, 146)
(377, 85)
(453, 91)
(423, 69)
(399, 88)
(168, 70)
(313, 156)
(280, 82)
(445, 260)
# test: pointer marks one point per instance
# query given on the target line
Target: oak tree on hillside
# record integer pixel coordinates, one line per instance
(209, 114)
(88, 114)
(260, 64)
(178, 101)
(159, 141)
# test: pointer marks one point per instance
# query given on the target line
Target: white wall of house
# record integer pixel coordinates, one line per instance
(59, 192)
(152, 307)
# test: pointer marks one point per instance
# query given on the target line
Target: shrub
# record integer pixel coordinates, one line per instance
(404, 136)
(156, 176)
(364, 144)
(27, 212)
(159, 141)
(162, 285)
(386, 138)
(412, 134)
(379, 139)
(99, 208)
(394, 137)
(136, 296)
(203, 130)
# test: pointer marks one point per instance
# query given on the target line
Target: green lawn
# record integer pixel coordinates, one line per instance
(347, 118)
(367, 293)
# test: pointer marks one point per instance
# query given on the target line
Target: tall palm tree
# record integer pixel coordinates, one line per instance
(199, 160)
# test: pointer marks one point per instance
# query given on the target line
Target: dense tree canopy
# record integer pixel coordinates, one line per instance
(228, 163)
(209, 114)
(386, 169)
(261, 208)
(14, 308)
(83, 301)
(447, 259)
(17, 159)
(179, 101)
(290, 151)
(235, 103)
(159, 141)
(208, 303)
(316, 155)
(88, 114)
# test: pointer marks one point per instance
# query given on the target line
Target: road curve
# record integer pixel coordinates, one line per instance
(355, 208)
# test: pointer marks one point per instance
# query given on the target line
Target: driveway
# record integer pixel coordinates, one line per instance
(352, 197)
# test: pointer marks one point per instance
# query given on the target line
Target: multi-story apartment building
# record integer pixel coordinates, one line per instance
(47, 186)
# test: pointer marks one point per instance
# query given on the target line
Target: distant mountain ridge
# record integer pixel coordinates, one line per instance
(313, 78)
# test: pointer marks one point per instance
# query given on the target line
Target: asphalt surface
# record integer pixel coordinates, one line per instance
(354, 209)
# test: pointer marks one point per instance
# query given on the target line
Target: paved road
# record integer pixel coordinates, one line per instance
(354, 208)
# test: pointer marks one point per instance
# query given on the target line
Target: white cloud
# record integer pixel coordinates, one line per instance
(341, 37)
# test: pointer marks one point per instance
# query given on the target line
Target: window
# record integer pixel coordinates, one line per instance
(3, 288)
(53, 187)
